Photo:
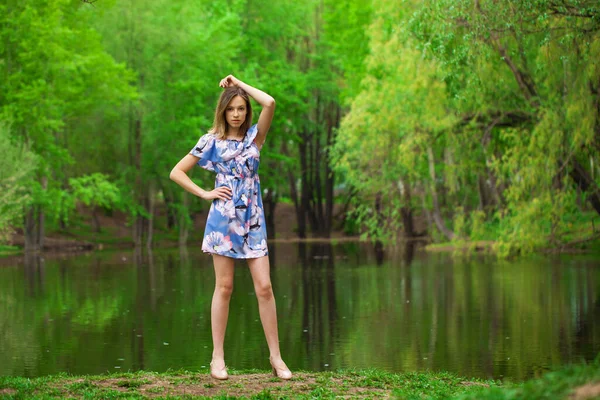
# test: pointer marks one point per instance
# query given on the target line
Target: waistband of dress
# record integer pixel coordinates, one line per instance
(236, 176)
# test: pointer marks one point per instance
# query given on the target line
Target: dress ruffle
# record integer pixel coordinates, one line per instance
(205, 151)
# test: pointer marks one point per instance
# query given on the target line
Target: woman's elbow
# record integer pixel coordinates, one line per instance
(271, 103)
(173, 174)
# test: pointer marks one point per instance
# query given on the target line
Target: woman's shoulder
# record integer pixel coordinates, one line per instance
(207, 138)
(205, 142)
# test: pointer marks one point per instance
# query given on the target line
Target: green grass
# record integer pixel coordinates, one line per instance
(372, 383)
(6, 250)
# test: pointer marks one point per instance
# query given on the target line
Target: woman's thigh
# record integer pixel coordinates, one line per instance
(260, 270)
(224, 268)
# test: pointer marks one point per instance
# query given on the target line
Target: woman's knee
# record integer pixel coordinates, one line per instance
(264, 291)
(224, 288)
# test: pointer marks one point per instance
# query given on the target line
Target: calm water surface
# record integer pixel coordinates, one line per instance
(339, 306)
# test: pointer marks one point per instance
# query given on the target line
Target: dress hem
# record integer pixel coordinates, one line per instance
(236, 258)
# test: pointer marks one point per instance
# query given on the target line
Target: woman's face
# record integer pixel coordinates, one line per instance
(235, 113)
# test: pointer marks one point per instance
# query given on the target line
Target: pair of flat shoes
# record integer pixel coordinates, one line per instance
(281, 372)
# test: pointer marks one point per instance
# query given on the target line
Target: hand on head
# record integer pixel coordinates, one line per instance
(228, 81)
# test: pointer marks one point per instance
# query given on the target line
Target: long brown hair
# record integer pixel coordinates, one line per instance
(219, 128)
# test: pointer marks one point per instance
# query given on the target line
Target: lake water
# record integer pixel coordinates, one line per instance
(339, 306)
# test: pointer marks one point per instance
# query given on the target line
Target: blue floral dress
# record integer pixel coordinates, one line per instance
(236, 227)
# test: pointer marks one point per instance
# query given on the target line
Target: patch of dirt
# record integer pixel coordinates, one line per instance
(237, 385)
(587, 391)
(7, 392)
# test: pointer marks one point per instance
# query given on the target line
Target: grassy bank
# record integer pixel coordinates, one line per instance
(571, 382)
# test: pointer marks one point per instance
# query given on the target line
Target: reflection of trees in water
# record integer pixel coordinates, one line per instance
(468, 316)
(379, 252)
(34, 273)
(402, 251)
(143, 292)
(318, 284)
(587, 329)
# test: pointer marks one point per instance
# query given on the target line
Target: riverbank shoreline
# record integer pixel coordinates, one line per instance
(577, 382)
(63, 247)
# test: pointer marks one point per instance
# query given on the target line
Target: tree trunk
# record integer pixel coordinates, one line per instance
(333, 121)
(483, 198)
(150, 221)
(437, 216)
(586, 183)
(304, 186)
(95, 219)
(379, 254)
(169, 204)
(427, 212)
(406, 212)
(138, 226)
(41, 225)
(31, 241)
(300, 218)
(183, 221)
(270, 202)
(317, 195)
(300, 214)
(34, 225)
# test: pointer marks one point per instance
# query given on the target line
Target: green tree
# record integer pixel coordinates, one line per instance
(16, 165)
(54, 70)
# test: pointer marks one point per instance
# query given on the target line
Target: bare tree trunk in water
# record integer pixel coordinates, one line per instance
(437, 216)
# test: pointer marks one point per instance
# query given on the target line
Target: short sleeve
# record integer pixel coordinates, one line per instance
(251, 135)
(205, 151)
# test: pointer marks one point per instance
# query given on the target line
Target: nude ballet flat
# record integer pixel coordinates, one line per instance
(220, 375)
(282, 373)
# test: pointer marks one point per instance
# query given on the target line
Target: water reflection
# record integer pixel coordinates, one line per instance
(343, 305)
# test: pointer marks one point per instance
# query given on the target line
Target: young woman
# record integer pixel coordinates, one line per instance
(235, 227)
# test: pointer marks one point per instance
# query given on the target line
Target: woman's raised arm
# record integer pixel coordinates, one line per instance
(266, 101)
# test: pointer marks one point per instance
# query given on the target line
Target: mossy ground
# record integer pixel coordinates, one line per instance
(571, 382)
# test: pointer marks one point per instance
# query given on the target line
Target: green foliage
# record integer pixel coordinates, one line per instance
(95, 190)
(492, 108)
(16, 168)
(383, 141)
(488, 108)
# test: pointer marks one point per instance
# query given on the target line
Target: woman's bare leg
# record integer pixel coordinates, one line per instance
(260, 270)
(219, 310)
